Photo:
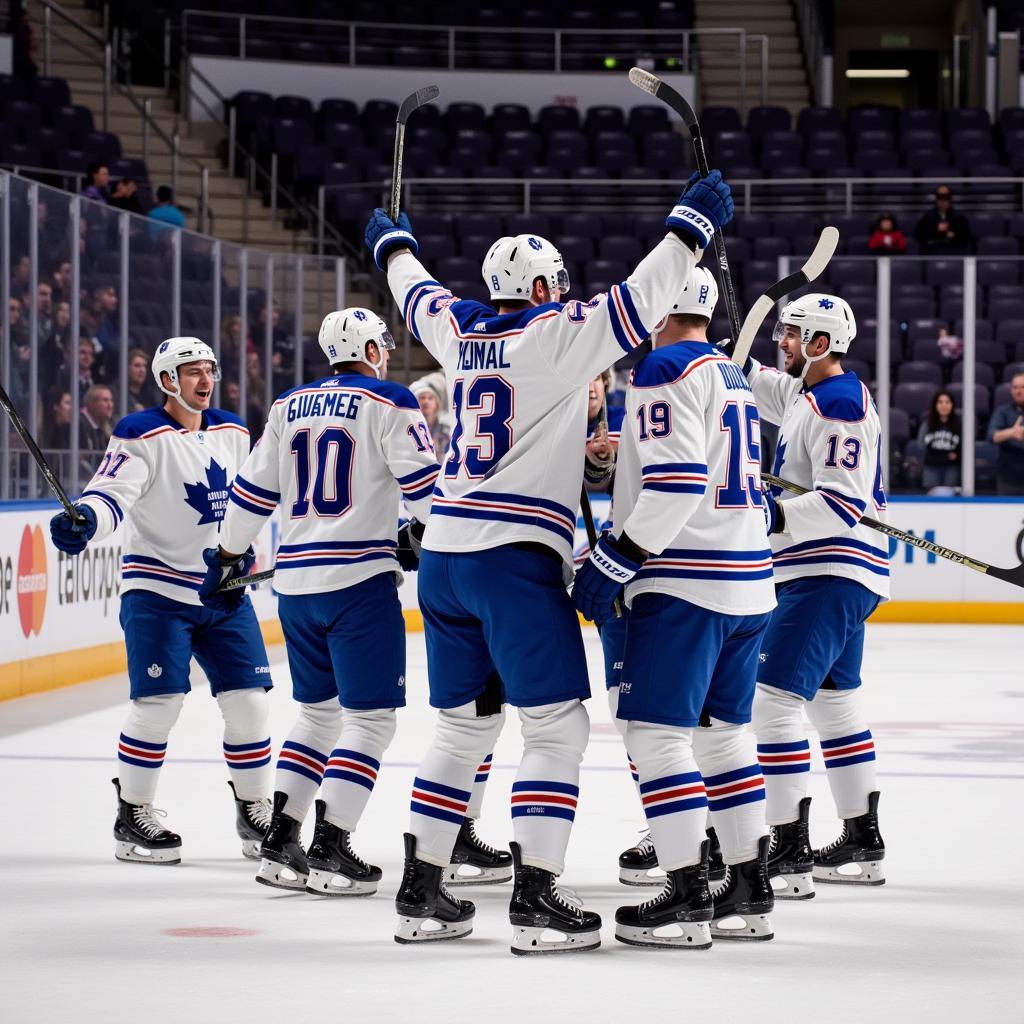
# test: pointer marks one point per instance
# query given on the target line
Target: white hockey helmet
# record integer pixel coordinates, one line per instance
(818, 314)
(699, 295)
(175, 352)
(345, 333)
(512, 264)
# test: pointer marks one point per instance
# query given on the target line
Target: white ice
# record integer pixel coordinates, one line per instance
(84, 938)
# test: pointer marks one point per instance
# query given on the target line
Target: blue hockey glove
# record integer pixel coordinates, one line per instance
(69, 536)
(704, 208)
(774, 514)
(410, 533)
(383, 236)
(612, 564)
(219, 572)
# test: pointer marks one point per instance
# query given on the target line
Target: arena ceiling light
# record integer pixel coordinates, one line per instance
(878, 72)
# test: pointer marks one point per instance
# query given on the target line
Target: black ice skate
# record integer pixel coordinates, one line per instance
(252, 819)
(790, 858)
(744, 900)
(855, 858)
(334, 868)
(544, 918)
(639, 864)
(716, 864)
(427, 911)
(677, 918)
(282, 862)
(141, 839)
(476, 863)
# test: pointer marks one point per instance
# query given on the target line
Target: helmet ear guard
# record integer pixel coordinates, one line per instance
(345, 334)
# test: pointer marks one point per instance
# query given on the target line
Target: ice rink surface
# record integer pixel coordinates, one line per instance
(84, 938)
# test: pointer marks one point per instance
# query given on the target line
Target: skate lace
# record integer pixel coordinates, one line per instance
(145, 817)
(347, 844)
(722, 885)
(773, 839)
(476, 840)
(661, 898)
(260, 812)
(836, 843)
(567, 898)
(646, 844)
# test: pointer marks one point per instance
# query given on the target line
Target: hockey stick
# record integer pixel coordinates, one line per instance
(1014, 576)
(411, 103)
(812, 268)
(664, 92)
(247, 581)
(33, 449)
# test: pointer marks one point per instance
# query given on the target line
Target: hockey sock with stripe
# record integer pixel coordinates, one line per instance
(143, 743)
(620, 724)
(726, 755)
(354, 763)
(672, 791)
(476, 800)
(304, 755)
(442, 788)
(247, 741)
(547, 786)
(783, 753)
(848, 749)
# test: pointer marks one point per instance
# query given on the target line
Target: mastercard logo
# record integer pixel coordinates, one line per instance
(32, 579)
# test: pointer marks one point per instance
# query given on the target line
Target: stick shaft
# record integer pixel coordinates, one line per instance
(248, 581)
(33, 449)
(396, 170)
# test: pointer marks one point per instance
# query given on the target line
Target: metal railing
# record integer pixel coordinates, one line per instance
(84, 285)
(644, 195)
(110, 64)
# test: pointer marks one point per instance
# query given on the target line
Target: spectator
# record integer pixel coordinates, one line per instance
(44, 309)
(19, 327)
(886, 238)
(1006, 429)
(942, 230)
(940, 433)
(142, 390)
(86, 363)
(99, 182)
(602, 441)
(56, 434)
(21, 277)
(61, 282)
(55, 350)
(431, 393)
(97, 418)
(230, 341)
(125, 198)
(166, 212)
(108, 328)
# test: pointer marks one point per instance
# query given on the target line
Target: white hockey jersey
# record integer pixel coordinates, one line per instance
(830, 443)
(518, 385)
(169, 486)
(338, 455)
(688, 481)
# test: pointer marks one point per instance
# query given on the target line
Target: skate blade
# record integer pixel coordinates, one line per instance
(867, 872)
(430, 929)
(638, 877)
(470, 874)
(131, 853)
(676, 935)
(743, 927)
(331, 883)
(251, 849)
(530, 941)
(279, 876)
(793, 887)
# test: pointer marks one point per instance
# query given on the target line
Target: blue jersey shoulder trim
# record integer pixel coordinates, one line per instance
(389, 389)
(668, 364)
(215, 417)
(839, 398)
(135, 424)
(478, 319)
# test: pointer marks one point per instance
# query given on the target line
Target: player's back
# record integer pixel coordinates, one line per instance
(692, 441)
(338, 454)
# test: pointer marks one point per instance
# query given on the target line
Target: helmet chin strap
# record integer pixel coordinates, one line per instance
(176, 395)
(808, 360)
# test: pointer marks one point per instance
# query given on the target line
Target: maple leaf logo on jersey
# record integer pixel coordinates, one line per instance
(780, 458)
(210, 500)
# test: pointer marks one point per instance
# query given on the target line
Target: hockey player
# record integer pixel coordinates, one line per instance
(689, 544)
(831, 574)
(337, 455)
(498, 548)
(166, 475)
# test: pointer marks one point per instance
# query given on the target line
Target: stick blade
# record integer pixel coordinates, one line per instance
(825, 249)
(1012, 576)
(416, 100)
(644, 80)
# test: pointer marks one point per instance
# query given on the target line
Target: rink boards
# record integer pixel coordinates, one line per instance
(59, 615)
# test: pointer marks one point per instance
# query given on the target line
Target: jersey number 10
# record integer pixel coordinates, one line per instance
(328, 466)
